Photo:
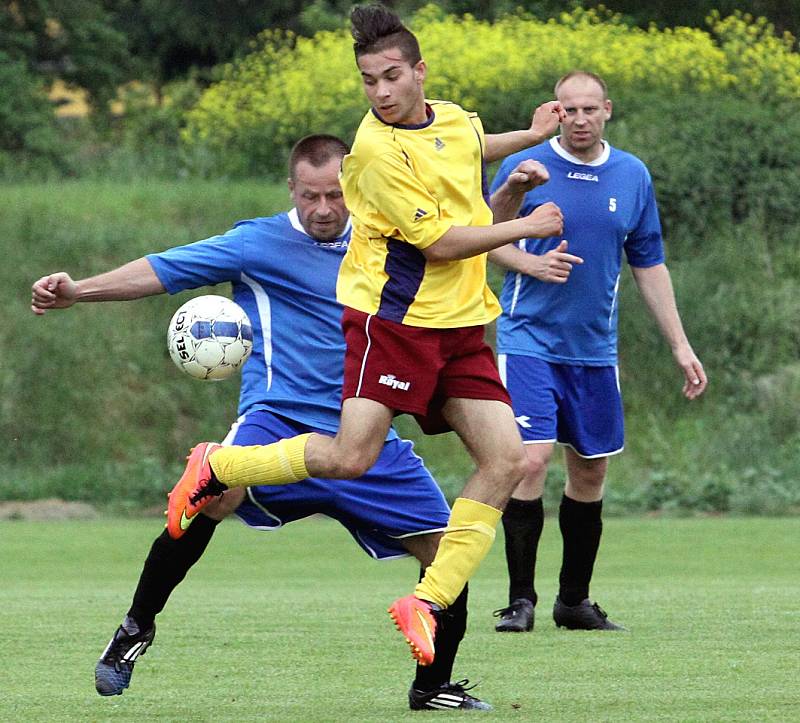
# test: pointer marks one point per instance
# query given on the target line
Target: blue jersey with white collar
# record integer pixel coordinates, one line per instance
(609, 207)
(286, 282)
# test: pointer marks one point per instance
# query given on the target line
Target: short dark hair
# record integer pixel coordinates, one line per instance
(582, 74)
(375, 28)
(317, 149)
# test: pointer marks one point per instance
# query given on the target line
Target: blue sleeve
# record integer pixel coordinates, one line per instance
(212, 261)
(644, 245)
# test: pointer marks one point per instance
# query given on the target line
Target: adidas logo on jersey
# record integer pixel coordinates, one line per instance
(575, 175)
(438, 144)
(390, 380)
(419, 214)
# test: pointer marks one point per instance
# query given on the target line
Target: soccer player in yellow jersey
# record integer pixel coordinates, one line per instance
(413, 284)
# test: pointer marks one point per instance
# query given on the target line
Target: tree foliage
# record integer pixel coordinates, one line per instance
(74, 40)
(170, 37)
(291, 86)
(100, 45)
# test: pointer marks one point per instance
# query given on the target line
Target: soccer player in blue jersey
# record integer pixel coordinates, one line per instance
(283, 270)
(557, 337)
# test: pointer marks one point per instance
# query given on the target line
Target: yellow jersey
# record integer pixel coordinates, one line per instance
(405, 186)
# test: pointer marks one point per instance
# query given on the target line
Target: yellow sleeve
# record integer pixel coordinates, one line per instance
(388, 183)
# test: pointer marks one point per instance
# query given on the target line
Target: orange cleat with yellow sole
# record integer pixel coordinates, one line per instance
(196, 488)
(416, 619)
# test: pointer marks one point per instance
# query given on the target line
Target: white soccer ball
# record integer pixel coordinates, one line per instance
(210, 337)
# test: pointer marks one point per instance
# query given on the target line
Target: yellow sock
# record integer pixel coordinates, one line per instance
(270, 464)
(468, 537)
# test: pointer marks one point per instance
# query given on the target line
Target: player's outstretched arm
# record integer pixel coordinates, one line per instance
(543, 124)
(134, 280)
(463, 242)
(553, 267)
(655, 286)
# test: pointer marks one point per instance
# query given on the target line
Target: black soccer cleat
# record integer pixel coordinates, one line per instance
(113, 671)
(516, 618)
(448, 696)
(583, 616)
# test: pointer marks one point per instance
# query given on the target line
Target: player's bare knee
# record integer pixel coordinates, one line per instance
(506, 472)
(535, 468)
(517, 463)
(587, 475)
(347, 461)
(350, 466)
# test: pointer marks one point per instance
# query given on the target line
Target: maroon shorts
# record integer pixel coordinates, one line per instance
(415, 370)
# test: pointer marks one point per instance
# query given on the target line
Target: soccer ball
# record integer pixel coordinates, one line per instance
(210, 337)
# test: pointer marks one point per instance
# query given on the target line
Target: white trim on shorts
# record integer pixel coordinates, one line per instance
(364, 358)
(567, 444)
(592, 456)
(372, 554)
(262, 528)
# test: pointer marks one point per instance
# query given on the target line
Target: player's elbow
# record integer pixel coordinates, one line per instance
(434, 253)
(442, 250)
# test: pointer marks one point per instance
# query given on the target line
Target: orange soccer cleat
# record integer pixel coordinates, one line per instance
(417, 620)
(195, 489)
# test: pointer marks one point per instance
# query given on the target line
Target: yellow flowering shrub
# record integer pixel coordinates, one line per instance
(289, 86)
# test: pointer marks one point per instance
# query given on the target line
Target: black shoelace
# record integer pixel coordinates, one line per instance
(213, 488)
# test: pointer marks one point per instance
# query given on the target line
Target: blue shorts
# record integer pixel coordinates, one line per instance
(579, 406)
(397, 498)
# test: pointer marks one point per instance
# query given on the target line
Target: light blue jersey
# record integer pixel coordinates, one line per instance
(286, 282)
(608, 206)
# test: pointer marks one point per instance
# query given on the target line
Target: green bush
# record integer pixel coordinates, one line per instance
(289, 86)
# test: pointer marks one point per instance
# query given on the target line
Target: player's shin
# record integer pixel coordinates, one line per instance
(466, 541)
(278, 463)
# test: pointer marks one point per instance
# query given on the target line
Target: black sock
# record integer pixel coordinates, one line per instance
(453, 624)
(166, 565)
(522, 523)
(581, 527)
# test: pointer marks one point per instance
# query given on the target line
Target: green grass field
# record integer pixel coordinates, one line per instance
(290, 626)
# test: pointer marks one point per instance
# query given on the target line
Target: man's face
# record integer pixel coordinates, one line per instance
(587, 113)
(317, 196)
(394, 87)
